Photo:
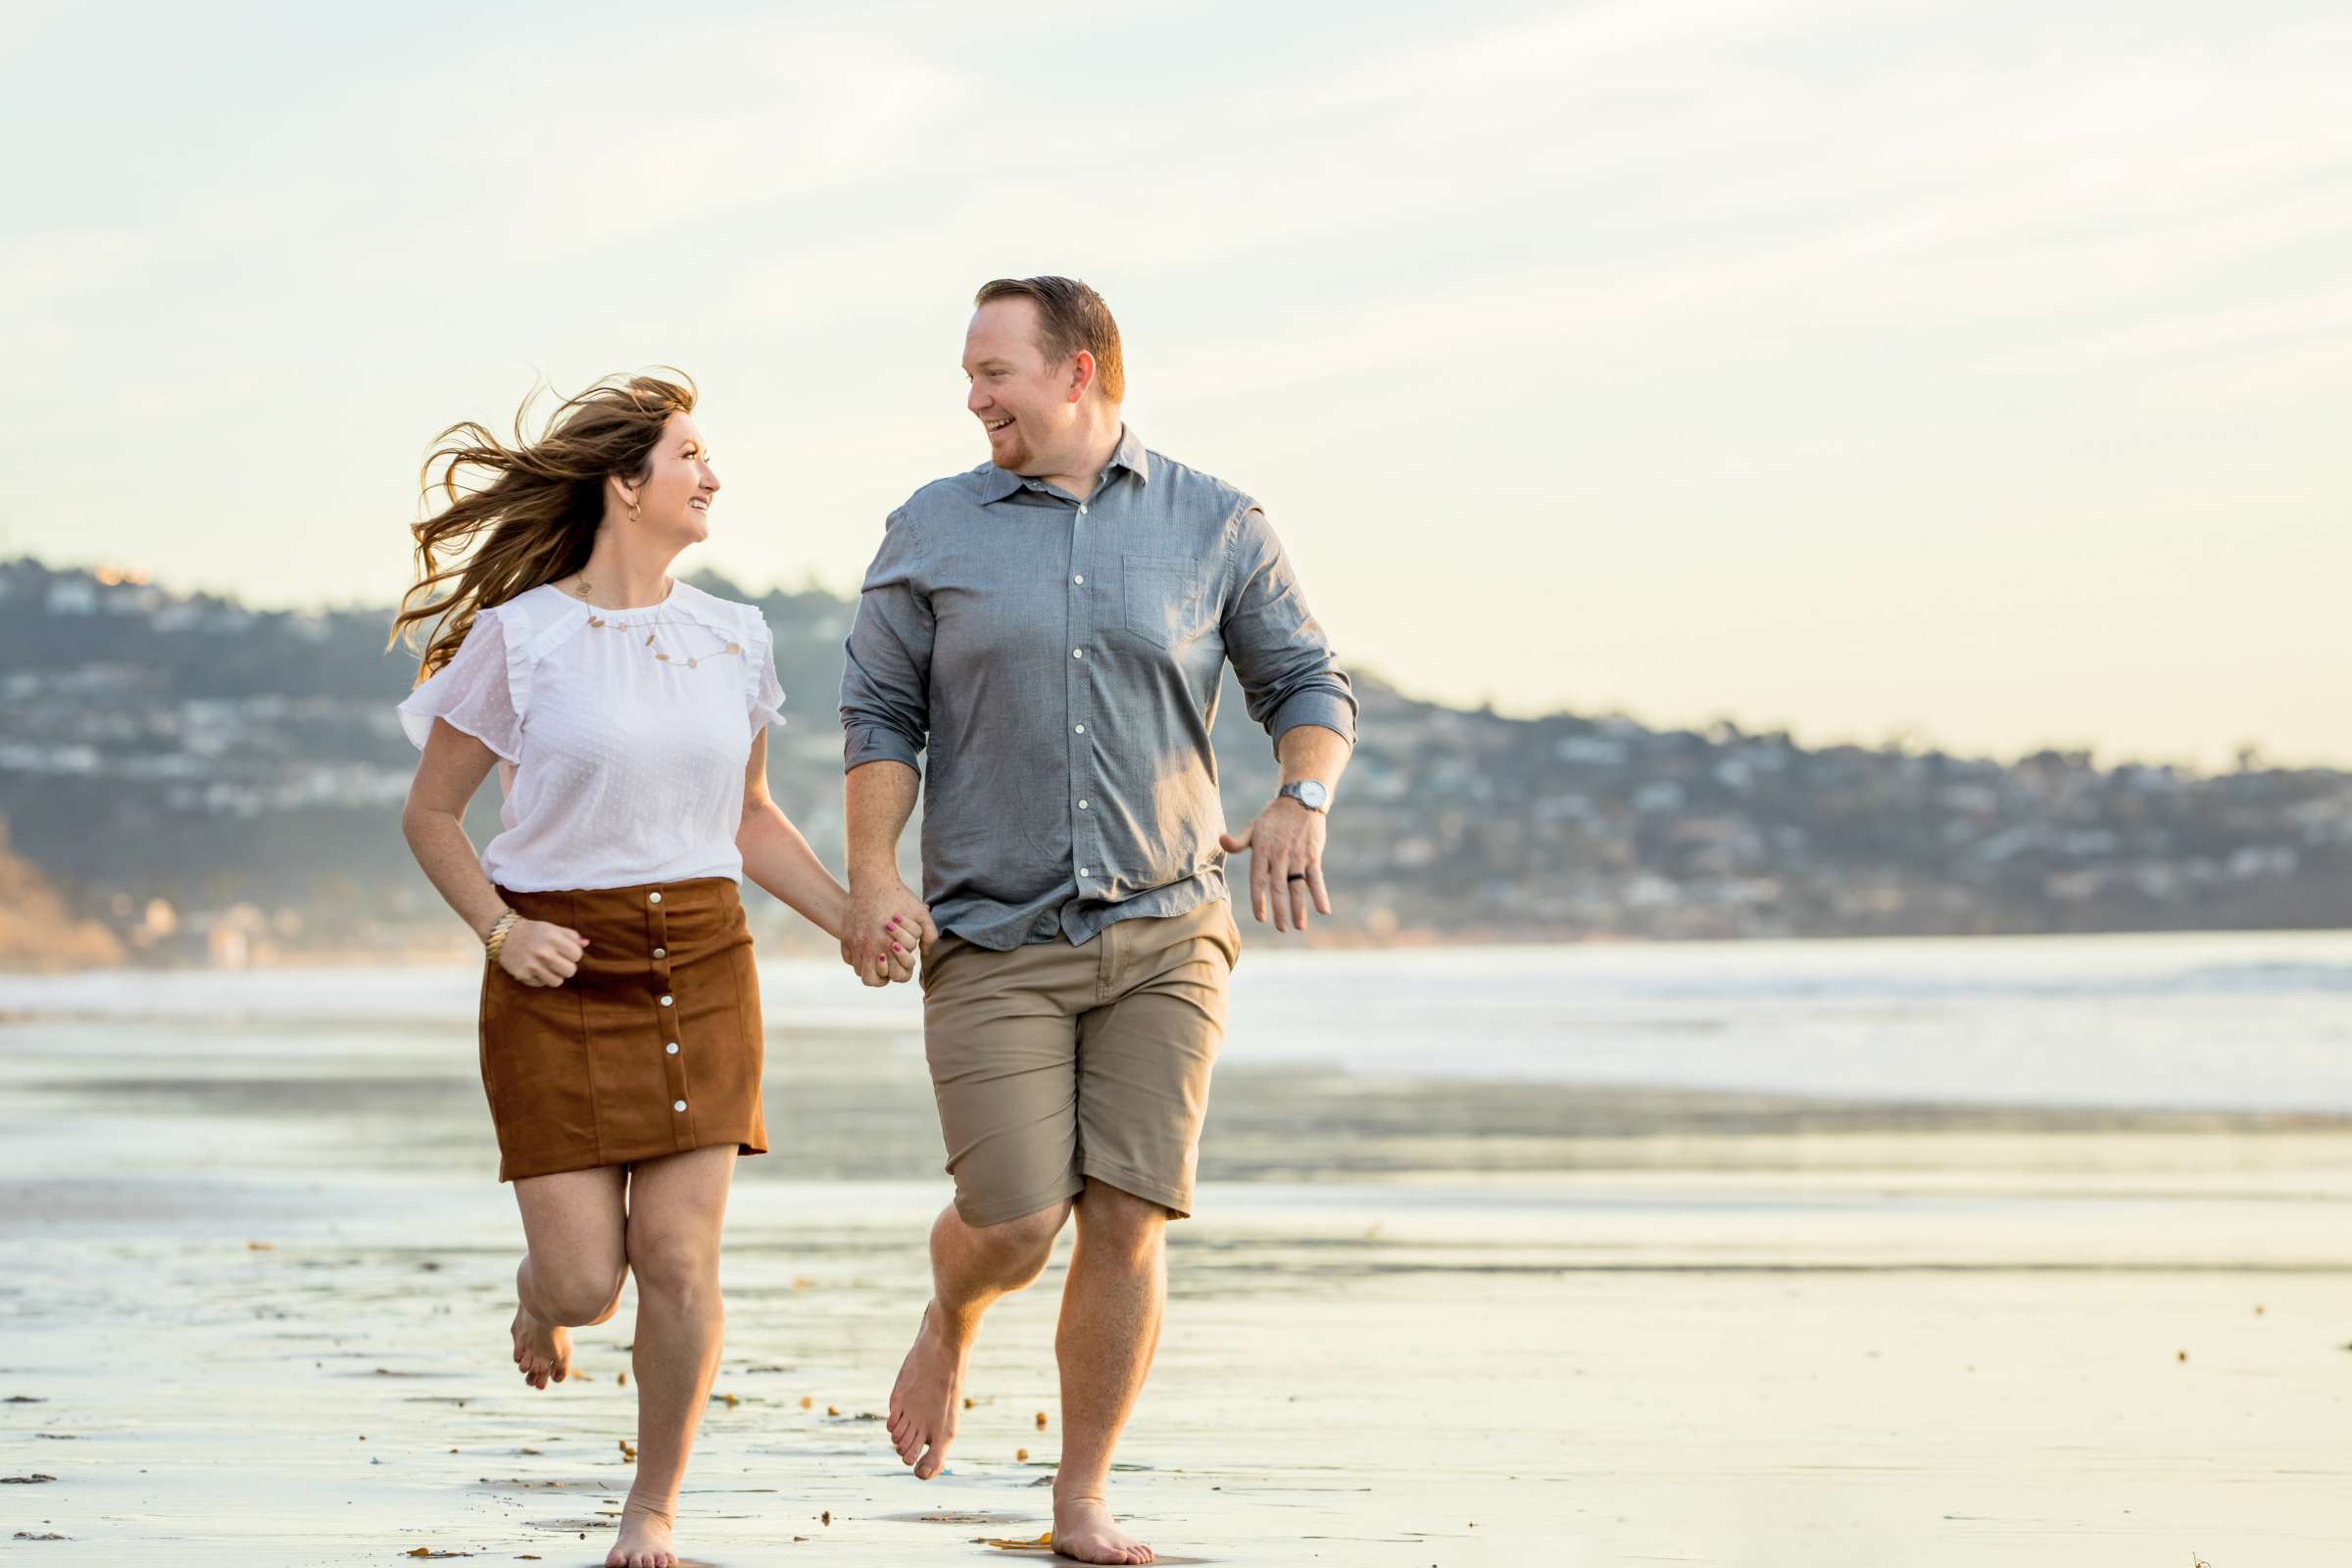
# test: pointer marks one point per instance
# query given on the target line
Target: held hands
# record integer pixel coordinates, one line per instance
(538, 953)
(1285, 862)
(887, 926)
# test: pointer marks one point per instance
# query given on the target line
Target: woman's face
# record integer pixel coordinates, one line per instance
(674, 498)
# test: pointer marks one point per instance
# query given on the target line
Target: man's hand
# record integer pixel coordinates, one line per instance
(1285, 862)
(887, 927)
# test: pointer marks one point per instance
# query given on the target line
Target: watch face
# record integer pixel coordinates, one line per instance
(1312, 794)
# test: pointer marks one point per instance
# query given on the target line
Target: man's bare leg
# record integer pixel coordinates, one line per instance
(1111, 1308)
(574, 1266)
(972, 1267)
(676, 1206)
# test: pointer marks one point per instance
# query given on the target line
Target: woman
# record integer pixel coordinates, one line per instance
(621, 1034)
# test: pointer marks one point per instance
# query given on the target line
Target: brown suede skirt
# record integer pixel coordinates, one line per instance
(653, 1047)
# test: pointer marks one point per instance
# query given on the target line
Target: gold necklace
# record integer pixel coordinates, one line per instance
(599, 624)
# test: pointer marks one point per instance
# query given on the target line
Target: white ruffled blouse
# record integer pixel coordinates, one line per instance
(624, 734)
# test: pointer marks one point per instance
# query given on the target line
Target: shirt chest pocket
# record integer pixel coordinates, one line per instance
(1167, 599)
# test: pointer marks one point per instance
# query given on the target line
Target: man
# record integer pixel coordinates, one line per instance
(1053, 625)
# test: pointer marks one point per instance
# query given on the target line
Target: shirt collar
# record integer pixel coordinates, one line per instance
(998, 483)
(1131, 456)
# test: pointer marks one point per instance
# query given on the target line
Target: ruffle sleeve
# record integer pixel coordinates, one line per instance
(767, 692)
(485, 690)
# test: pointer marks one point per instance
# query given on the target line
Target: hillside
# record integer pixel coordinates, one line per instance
(245, 768)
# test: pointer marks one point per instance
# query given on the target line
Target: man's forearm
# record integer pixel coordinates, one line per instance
(1309, 750)
(877, 799)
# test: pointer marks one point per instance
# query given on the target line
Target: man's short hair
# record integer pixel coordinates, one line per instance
(1069, 316)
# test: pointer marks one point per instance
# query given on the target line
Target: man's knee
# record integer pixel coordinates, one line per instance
(1112, 1216)
(1018, 1249)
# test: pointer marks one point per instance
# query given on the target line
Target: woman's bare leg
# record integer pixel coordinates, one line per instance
(676, 1206)
(572, 1225)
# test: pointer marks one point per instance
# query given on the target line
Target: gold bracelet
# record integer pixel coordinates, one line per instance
(497, 938)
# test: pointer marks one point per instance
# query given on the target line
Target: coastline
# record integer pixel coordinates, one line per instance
(440, 943)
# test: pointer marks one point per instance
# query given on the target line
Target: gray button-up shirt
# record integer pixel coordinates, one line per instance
(1061, 658)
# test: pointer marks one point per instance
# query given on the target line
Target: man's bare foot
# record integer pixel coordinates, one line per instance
(1084, 1529)
(925, 1398)
(542, 1350)
(644, 1539)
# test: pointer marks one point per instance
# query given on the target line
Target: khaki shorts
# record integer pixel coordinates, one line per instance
(1054, 1064)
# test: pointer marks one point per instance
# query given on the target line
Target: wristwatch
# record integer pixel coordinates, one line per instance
(1308, 793)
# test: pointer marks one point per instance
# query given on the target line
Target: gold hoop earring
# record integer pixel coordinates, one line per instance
(632, 512)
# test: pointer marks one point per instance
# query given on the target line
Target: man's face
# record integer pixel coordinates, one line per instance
(1028, 407)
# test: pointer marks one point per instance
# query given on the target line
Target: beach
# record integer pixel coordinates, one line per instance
(261, 1274)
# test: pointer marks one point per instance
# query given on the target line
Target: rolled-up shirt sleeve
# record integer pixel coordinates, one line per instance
(886, 679)
(1289, 673)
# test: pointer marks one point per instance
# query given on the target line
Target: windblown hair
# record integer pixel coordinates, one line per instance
(525, 513)
(1069, 316)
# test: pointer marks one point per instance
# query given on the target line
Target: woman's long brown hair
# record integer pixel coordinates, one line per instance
(533, 506)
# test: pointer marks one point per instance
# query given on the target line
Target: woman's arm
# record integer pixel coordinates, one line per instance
(537, 952)
(453, 768)
(779, 860)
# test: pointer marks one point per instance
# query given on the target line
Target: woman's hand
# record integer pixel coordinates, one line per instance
(887, 929)
(539, 954)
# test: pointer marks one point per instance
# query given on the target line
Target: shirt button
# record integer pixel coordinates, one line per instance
(1081, 577)
(661, 952)
(677, 1104)
(653, 898)
(1082, 508)
(671, 1048)
(1079, 728)
(1082, 805)
(1085, 870)
(1077, 653)
(665, 1002)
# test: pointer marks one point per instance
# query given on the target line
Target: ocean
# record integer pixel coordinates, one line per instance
(2259, 1021)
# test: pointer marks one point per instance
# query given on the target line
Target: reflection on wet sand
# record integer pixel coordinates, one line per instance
(260, 1285)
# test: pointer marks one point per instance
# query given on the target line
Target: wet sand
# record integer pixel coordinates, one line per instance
(258, 1281)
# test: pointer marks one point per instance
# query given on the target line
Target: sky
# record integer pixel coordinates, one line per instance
(1971, 376)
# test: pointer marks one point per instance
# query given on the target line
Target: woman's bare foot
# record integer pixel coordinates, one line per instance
(644, 1539)
(924, 1401)
(1084, 1529)
(543, 1351)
